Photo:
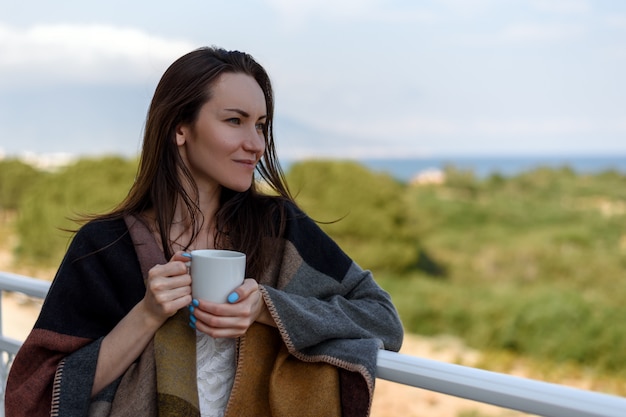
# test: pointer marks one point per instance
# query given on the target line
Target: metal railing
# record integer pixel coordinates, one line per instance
(522, 394)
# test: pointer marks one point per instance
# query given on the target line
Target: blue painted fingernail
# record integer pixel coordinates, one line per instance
(195, 302)
(233, 297)
(186, 255)
(193, 318)
(192, 325)
(191, 309)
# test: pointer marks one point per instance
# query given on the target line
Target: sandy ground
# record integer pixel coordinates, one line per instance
(19, 314)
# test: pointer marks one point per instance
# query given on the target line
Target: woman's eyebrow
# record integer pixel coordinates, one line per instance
(243, 113)
(239, 111)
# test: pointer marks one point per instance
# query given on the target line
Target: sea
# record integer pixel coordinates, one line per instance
(484, 166)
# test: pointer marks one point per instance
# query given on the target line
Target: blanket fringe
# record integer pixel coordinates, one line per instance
(56, 389)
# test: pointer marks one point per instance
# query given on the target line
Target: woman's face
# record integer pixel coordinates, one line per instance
(224, 144)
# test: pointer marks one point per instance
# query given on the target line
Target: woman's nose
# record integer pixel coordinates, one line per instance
(255, 142)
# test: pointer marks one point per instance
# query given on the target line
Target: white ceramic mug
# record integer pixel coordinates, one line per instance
(216, 273)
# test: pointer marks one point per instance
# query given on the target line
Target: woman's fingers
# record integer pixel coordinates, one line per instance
(220, 326)
(229, 319)
(168, 288)
(244, 291)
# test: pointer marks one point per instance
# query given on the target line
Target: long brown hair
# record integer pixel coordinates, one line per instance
(244, 219)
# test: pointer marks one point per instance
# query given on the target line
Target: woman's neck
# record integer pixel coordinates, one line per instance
(183, 233)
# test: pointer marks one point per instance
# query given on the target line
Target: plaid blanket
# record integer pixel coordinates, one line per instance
(331, 316)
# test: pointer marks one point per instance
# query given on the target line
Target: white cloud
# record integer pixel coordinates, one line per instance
(533, 127)
(409, 137)
(83, 53)
(469, 8)
(301, 8)
(548, 127)
(296, 12)
(535, 32)
(616, 20)
(561, 6)
(410, 128)
(381, 127)
(527, 33)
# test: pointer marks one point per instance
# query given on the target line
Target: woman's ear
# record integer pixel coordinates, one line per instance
(182, 133)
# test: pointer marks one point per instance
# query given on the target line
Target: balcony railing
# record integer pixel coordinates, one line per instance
(522, 394)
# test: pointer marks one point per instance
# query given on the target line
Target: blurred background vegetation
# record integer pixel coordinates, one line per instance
(528, 265)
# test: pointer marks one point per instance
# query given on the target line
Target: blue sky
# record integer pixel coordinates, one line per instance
(353, 78)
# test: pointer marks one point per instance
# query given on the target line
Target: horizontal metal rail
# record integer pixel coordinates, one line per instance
(507, 391)
(522, 394)
(19, 283)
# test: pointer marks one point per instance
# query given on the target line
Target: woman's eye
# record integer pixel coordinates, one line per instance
(260, 126)
(234, 120)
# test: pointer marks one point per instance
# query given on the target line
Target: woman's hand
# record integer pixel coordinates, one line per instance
(245, 306)
(168, 288)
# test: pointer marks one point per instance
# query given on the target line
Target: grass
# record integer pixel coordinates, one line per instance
(533, 265)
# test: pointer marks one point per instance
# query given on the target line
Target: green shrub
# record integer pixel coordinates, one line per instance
(366, 213)
(87, 187)
(16, 178)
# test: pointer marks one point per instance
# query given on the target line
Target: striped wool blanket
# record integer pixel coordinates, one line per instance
(331, 316)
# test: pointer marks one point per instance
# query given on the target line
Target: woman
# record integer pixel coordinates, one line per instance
(119, 333)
